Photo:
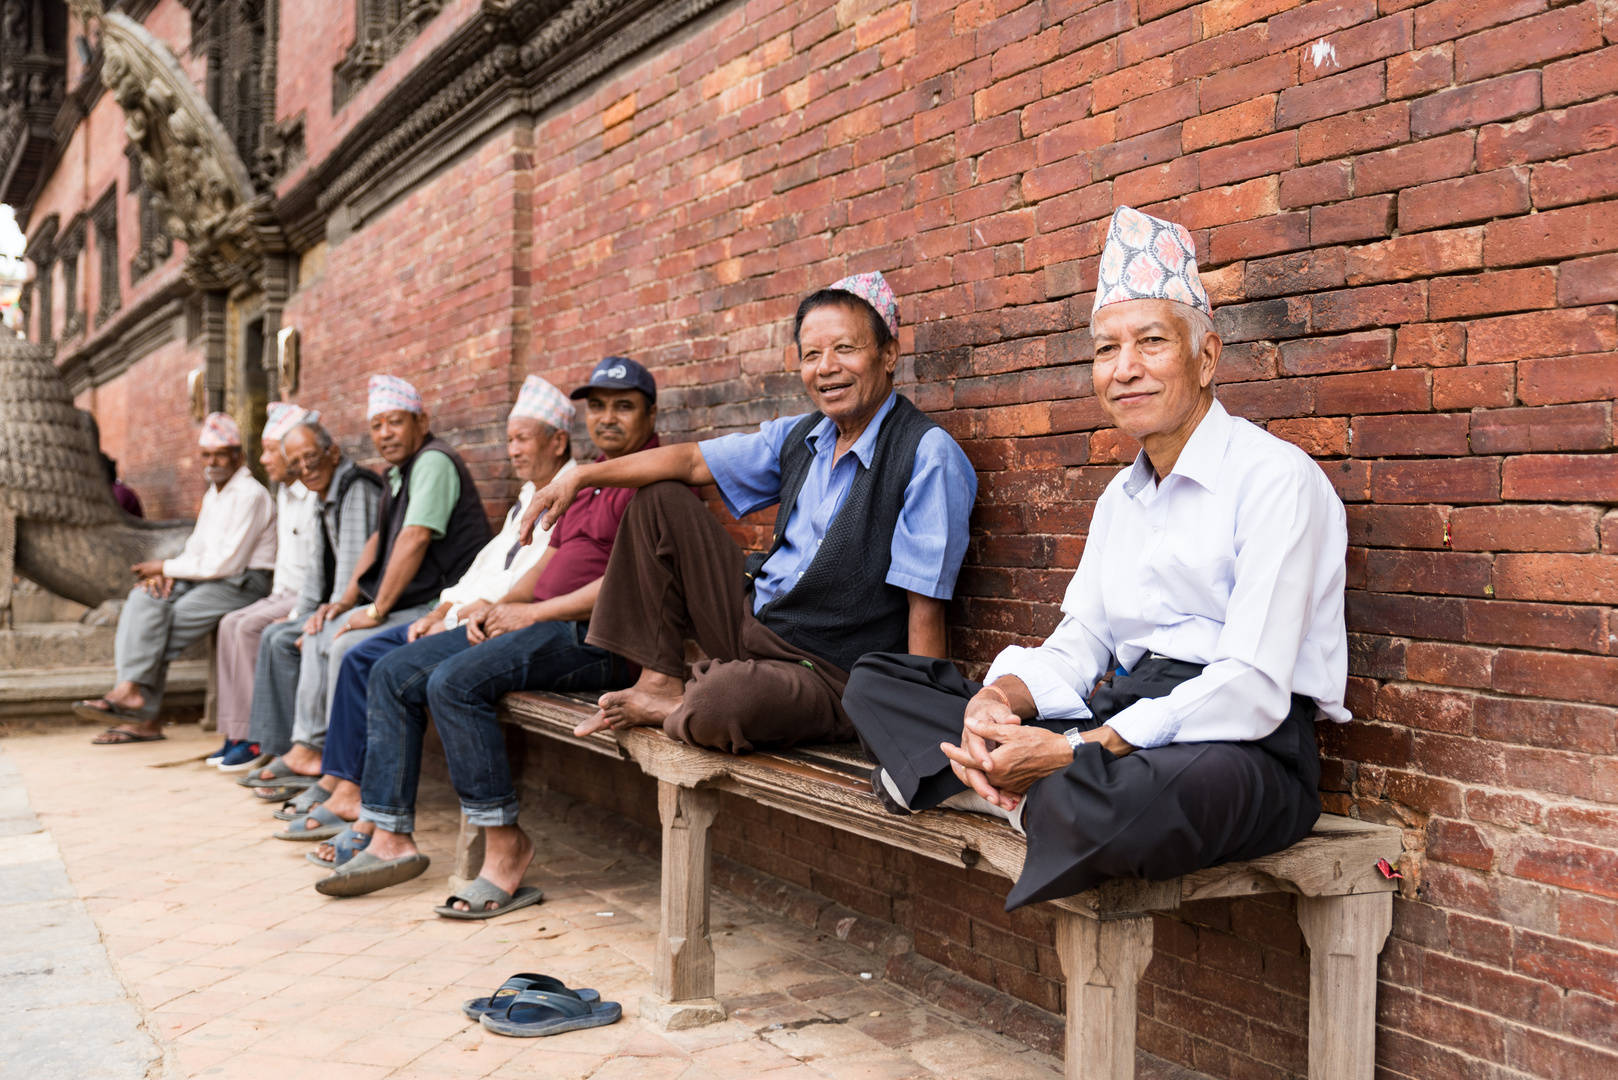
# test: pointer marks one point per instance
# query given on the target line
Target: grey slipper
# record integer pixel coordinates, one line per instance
(303, 805)
(282, 775)
(365, 873)
(483, 890)
(330, 825)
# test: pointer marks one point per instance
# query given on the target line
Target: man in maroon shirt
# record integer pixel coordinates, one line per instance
(533, 639)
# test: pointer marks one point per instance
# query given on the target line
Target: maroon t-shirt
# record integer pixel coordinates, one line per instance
(583, 538)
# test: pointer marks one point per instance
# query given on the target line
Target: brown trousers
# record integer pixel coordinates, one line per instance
(675, 574)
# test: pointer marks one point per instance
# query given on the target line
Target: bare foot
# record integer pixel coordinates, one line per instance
(387, 845)
(300, 759)
(505, 861)
(344, 800)
(126, 695)
(647, 703)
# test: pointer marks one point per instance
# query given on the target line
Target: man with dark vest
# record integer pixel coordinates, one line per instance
(872, 526)
(430, 527)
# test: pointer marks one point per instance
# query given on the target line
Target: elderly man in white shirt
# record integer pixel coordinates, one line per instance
(1208, 605)
(227, 563)
(241, 630)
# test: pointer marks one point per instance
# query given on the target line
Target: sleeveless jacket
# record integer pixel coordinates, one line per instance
(448, 557)
(843, 606)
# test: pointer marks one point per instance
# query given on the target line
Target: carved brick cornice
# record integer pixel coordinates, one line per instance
(515, 57)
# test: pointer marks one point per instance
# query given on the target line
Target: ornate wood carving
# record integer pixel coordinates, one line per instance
(105, 217)
(382, 29)
(42, 253)
(33, 84)
(68, 250)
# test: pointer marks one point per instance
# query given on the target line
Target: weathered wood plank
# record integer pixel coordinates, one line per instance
(1345, 934)
(1103, 962)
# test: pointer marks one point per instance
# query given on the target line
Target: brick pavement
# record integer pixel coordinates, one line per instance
(246, 972)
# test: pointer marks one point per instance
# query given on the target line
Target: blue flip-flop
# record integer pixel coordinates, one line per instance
(527, 980)
(532, 1013)
(346, 844)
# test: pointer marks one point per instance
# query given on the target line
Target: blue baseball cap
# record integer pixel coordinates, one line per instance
(619, 373)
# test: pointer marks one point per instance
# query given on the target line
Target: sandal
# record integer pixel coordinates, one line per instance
(281, 775)
(330, 825)
(301, 805)
(480, 892)
(528, 980)
(365, 873)
(121, 738)
(346, 844)
(89, 710)
(532, 1013)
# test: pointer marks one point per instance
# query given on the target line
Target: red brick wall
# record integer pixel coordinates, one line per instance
(1398, 207)
(158, 460)
(436, 292)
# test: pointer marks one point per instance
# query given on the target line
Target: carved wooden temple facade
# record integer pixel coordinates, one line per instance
(1406, 212)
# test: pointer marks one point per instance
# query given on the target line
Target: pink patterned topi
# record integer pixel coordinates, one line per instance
(281, 417)
(874, 290)
(1147, 258)
(541, 401)
(389, 393)
(218, 432)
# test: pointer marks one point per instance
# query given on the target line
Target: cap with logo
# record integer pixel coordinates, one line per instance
(619, 373)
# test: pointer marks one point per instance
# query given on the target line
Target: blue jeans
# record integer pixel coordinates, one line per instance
(462, 684)
(344, 753)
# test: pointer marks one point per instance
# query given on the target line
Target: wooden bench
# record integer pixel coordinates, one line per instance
(1104, 936)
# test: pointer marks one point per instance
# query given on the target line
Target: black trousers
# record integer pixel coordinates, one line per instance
(1155, 814)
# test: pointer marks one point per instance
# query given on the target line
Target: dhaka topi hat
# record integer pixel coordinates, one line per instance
(619, 373)
(280, 417)
(1147, 258)
(219, 432)
(539, 400)
(389, 393)
(873, 288)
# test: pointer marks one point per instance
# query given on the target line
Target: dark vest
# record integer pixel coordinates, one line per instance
(843, 606)
(328, 557)
(448, 557)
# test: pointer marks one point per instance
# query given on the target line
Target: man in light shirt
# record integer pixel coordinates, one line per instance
(538, 445)
(240, 631)
(1211, 587)
(226, 564)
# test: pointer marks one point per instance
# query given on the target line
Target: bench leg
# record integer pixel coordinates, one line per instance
(1345, 934)
(1103, 962)
(468, 853)
(683, 969)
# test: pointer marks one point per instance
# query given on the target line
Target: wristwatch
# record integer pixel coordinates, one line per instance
(1074, 737)
(374, 615)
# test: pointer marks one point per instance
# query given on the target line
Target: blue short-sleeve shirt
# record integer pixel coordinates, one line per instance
(929, 541)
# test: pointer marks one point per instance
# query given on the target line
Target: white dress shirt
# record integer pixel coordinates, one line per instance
(295, 534)
(489, 577)
(235, 531)
(1234, 561)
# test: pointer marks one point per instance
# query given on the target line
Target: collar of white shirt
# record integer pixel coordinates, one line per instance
(1200, 460)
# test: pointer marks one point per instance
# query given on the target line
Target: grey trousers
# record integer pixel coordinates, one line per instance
(152, 632)
(239, 634)
(292, 687)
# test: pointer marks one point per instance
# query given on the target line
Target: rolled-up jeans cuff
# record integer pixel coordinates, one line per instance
(398, 822)
(503, 812)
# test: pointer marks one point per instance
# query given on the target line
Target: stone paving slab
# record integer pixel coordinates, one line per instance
(244, 971)
(66, 1014)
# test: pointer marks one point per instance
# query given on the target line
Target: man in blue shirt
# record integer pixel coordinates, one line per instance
(875, 500)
